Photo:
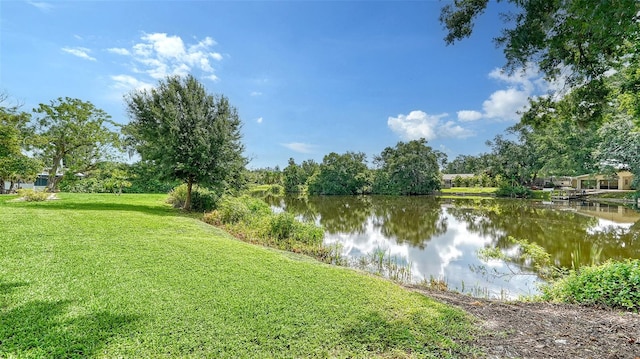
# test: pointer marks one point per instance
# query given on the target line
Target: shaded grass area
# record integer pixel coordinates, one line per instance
(98, 275)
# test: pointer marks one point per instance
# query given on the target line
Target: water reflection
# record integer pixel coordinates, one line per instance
(441, 238)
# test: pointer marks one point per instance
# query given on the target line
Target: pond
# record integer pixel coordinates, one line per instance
(440, 238)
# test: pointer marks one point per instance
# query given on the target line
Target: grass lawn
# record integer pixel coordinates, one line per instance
(105, 276)
(469, 190)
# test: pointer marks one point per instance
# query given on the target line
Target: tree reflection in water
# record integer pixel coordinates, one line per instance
(442, 236)
(411, 220)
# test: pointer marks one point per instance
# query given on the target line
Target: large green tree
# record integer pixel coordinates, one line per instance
(469, 164)
(295, 176)
(187, 133)
(74, 136)
(619, 145)
(15, 136)
(585, 37)
(345, 174)
(411, 168)
(580, 42)
(513, 159)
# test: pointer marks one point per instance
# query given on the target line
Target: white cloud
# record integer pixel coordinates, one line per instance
(128, 83)
(419, 124)
(256, 93)
(40, 5)
(81, 52)
(259, 120)
(507, 104)
(467, 116)
(119, 51)
(451, 130)
(299, 147)
(159, 55)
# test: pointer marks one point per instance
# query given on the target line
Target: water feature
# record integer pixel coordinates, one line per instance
(440, 238)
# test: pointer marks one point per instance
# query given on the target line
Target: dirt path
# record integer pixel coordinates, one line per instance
(545, 330)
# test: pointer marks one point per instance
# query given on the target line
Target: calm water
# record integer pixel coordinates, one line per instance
(440, 238)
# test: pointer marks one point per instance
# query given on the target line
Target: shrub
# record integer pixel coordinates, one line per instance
(233, 210)
(202, 199)
(251, 219)
(84, 185)
(513, 191)
(286, 226)
(31, 195)
(282, 225)
(612, 284)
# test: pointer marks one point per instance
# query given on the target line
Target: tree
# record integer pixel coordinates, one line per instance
(145, 178)
(15, 135)
(469, 164)
(564, 148)
(345, 174)
(295, 176)
(411, 168)
(514, 160)
(620, 145)
(576, 41)
(187, 134)
(585, 37)
(74, 136)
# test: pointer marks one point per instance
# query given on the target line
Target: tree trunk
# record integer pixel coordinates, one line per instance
(187, 202)
(52, 183)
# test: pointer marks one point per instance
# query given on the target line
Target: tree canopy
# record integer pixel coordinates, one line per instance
(576, 42)
(186, 133)
(345, 174)
(73, 136)
(15, 136)
(585, 37)
(411, 168)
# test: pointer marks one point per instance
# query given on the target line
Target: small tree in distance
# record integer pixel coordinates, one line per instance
(186, 133)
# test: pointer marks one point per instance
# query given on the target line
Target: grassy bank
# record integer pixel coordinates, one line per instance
(127, 276)
(469, 190)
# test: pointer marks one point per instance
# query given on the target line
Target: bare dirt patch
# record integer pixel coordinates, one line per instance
(548, 330)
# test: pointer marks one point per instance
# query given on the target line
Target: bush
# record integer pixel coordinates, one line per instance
(202, 199)
(286, 226)
(513, 191)
(282, 225)
(84, 185)
(238, 209)
(31, 195)
(612, 284)
(252, 219)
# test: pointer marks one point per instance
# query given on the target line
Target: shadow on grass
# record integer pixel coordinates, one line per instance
(43, 329)
(101, 206)
(6, 288)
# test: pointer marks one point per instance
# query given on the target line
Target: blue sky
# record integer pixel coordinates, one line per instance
(308, 78)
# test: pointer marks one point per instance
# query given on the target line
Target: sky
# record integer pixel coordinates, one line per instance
(308, 77)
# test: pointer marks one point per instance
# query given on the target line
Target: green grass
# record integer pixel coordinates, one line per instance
(110, 276)
(469, 190)
(614, 195)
